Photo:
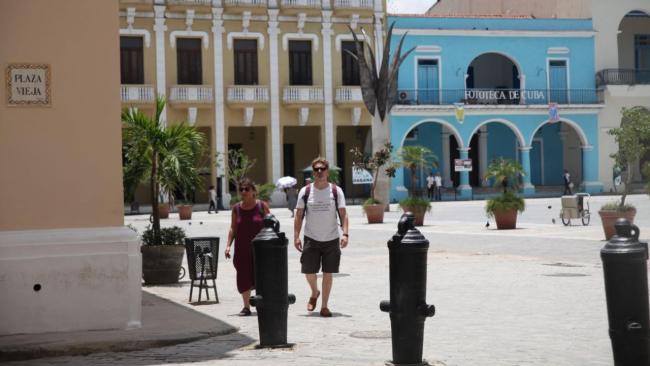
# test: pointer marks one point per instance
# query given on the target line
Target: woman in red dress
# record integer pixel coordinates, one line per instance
(246, 221)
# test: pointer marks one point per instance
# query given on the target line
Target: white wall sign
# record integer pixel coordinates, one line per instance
(462, 165)
(28, 85)
(361, 176)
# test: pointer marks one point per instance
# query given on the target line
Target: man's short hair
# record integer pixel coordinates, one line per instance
(321, 160)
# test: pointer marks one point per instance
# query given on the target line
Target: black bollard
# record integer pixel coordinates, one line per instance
(271, 284)
(626, 288)
(408, 289)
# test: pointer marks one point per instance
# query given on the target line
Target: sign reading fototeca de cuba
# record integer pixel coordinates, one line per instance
(28, 84)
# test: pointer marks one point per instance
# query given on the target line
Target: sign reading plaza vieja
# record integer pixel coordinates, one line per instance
(28, 85)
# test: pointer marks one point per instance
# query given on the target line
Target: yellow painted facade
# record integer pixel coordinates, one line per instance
(316, 121)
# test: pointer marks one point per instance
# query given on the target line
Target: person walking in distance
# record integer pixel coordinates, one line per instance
(320, 204)
(438, 184)
(567, 183)
(431, 186)
(246, 222)
(213, 200)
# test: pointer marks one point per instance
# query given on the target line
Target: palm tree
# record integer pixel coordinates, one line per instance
(167, 157)
(379, 90)
(506, 173)
(415, 158)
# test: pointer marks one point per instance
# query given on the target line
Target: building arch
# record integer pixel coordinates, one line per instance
(508, 57)
(447, 124)
(520, 137)
(576, 127)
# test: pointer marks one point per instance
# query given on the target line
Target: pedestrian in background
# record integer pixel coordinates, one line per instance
(438, 183)
(292, 198)
(319, 204)
(213, 200)
(567, 183)
(431, 183)
(246, 222)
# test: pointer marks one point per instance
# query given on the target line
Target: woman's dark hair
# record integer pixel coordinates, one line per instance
(247, 182)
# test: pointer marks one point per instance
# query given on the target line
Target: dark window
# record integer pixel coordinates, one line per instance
(349, 65)
(246, 62)
(131, 61)
(188, 57)
(300, 63)
(289, 160)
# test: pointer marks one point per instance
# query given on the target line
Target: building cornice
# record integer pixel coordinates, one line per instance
(495, 33)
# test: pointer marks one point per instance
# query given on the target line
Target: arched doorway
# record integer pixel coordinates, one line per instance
(554, 148)
(490, 141)
(492, 78)
(634, 48)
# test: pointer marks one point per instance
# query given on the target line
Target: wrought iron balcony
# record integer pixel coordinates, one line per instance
(498, 96)
(191, 94)
(190, 2)
(247, 95)
(137, 94)
(348, 95)
(623, 77)
(300, 95)
(301, 4)
(354, 4)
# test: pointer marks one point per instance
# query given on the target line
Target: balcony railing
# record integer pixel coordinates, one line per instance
(137, 93)
(623, 77)
(312, 4)
(303, 94)
(354, 4)
(498, 96)
(248, 94)
(201, 94)
(246, 3)
(348, 94)
(190, 2)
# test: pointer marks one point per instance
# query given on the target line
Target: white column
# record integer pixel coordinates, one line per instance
(379, 38)
(446, 169)
(482, 154)
(274, 86)
(327, 33)
(160, 28)
(219, 119)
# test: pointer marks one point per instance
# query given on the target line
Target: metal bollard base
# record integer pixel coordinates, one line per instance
(391, 363)
(287, 345)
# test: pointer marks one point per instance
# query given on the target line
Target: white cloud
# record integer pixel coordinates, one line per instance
(409, 6)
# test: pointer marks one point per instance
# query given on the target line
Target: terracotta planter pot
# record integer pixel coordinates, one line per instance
(506, 219)
(161, 264)
(418, 212)
(163, 210)
(184, 212)
(375, 213)
(609, 218)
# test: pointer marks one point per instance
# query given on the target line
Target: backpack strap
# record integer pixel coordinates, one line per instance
(305, 197)
(335, 193)
(260, 207)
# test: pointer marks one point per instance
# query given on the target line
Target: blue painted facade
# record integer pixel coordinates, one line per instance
(505, 72)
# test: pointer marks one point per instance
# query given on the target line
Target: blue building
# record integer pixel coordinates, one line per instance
(483, 88)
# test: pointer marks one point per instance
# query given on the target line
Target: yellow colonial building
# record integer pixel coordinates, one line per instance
(268, 76)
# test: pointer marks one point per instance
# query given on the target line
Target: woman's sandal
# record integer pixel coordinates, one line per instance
(245, 312)
(311, 305)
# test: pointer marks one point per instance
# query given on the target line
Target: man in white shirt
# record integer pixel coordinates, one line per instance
(438, 184)
(322, 239)
(431, 182)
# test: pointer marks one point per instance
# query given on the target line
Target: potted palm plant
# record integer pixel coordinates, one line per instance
(505, 174)
(373, 207)
(168, 156)
(161, 262)
(632, 138)
(416, 158)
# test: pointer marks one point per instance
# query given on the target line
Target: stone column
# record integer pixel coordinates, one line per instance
(483, 155)
(464, 189)
(327, 33)
(160, 28)
(590, 183)
(524, 159)
(274, 90)
(446, 169)
(219, 119)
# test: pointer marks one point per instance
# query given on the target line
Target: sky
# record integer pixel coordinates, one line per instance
(409, 6)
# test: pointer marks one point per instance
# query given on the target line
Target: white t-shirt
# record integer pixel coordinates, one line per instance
(438, 180)
(321, 219)
(430, 181)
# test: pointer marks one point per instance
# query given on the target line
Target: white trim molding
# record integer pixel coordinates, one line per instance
(557, 50)
(428, 48)
(245, 35)
(137, 32)
(311, 36)
(347, 37)
(189, 34)
(495, 33)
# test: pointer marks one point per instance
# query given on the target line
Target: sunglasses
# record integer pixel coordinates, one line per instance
(246, 189)
(321, 169)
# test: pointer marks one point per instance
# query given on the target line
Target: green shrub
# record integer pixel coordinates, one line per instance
(168, 236)
(505, 201)
(265, 191)
(616, 206)
(234, 199)
(371, 201)
(416, 204)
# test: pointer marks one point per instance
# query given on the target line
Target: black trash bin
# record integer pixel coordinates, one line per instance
(202, 261)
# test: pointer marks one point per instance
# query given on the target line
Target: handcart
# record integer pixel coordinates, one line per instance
(575, 207)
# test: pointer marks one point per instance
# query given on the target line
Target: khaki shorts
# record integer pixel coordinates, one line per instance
(316, 252)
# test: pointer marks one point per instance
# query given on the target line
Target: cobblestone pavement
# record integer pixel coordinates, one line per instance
(532, 296)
